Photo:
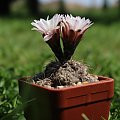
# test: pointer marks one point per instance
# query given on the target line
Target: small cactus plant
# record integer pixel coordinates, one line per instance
(69, 28)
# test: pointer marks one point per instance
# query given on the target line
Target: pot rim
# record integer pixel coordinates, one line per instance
(102, 80)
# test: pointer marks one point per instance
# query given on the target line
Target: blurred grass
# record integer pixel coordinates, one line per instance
(23, 53)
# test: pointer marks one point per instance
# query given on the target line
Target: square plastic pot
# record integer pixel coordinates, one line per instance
(72, 103)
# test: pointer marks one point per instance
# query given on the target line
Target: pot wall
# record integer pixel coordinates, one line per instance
(68, 103)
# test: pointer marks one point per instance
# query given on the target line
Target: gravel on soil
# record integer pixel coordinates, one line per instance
(57, 75)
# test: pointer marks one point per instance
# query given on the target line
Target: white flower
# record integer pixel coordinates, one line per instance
(76, 23)
(73, 29)
(47, 27)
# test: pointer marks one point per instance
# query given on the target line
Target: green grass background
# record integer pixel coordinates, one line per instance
(23, 52)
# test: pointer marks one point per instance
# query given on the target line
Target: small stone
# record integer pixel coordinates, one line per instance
(33, 81)
(48, 86)
(61, 76)
(95, 76)
(73, 84)
(59, 87)
(79, 83)
(96, 80)
(85, 82)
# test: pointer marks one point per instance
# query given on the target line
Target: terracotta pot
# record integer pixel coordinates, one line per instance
(72, 103)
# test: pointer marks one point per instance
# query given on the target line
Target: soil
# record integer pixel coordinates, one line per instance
(57, 75)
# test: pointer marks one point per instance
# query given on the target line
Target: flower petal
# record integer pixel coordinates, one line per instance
(47, 37)
(47, 26)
